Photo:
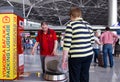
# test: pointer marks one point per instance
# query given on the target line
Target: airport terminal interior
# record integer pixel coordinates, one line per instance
(97, 73)
(30, 13)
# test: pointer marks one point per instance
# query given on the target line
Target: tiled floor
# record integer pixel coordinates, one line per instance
(97, 74)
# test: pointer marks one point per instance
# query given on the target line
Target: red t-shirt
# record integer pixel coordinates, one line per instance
(46, 41)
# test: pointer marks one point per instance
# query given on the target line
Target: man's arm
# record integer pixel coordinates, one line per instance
(97, 41)
(66, 45)
(101, 39)
(65, 56)
(33, 50)
(55, 47)
(115, 38)
(65, 59)
(92, 35)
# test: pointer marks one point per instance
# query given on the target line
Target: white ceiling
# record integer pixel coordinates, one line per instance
(56, 11)
(27, 2)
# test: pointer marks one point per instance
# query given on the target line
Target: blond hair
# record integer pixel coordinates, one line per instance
(75, 12)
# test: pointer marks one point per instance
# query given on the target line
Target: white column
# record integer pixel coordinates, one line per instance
(112, 12)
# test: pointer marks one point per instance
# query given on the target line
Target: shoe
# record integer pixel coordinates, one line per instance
(105, 66)
(111, 66)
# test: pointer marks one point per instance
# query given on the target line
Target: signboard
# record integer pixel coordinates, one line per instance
(8, 46)
(20, 25)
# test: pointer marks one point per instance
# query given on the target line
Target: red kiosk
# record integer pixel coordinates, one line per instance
(11, 50)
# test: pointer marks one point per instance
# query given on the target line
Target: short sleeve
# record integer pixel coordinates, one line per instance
(54, 35)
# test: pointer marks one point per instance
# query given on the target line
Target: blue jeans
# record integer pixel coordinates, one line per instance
(96, 53)
(107, 50)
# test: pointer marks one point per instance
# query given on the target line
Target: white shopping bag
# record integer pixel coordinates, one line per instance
(54, 64)
(32, 63)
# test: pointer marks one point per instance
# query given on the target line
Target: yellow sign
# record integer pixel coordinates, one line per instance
(8, 46)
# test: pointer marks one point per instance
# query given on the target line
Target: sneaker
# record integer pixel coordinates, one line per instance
(111, 66)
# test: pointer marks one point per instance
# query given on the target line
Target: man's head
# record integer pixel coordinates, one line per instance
(44, 26)
(96, 34)
(107, 28)
(75, 12)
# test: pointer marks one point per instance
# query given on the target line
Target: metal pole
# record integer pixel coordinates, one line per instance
(10, 3)
(112, 19)
(57, 12)
(66, 23)
(81, 3)
(60, 20)
(29, 11)
(24, 8)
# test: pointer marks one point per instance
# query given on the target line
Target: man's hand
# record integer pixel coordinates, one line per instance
(64, 65)
(65, 59)
(32, 51)
(113, 45)
(54, 52)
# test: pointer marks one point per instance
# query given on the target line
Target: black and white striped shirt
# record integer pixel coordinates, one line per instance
(78, 39)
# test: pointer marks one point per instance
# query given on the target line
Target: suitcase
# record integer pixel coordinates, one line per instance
(117, 48)
(100, 60)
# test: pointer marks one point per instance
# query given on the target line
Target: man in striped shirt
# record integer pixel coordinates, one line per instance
(77, 47)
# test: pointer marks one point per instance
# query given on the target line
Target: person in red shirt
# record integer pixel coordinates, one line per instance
(48, 43)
